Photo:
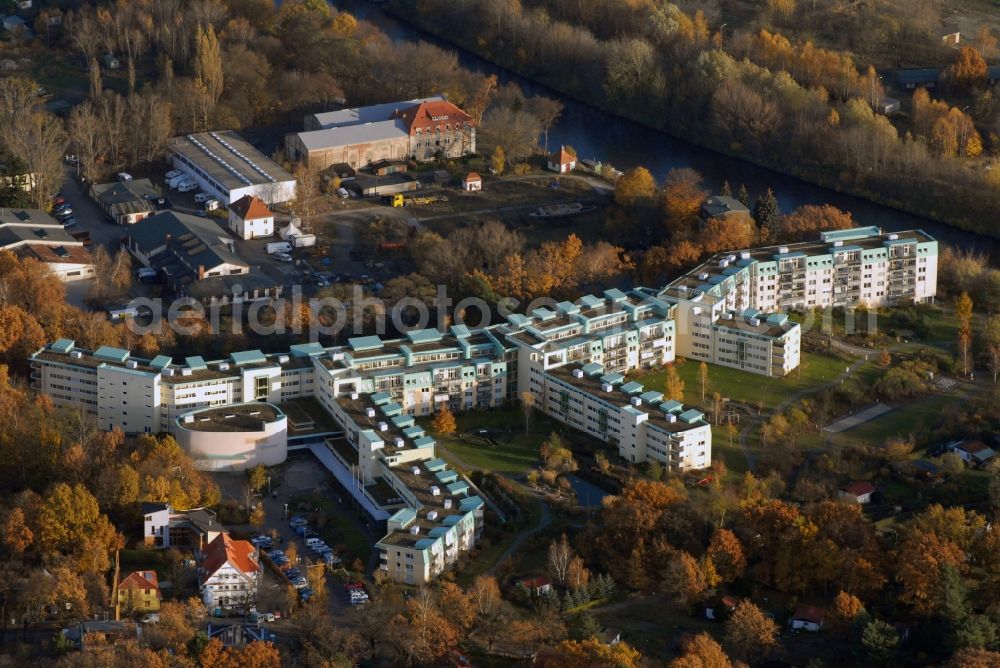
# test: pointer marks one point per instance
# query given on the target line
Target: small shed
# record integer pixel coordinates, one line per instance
(718, 608)
(14, 23)
(562, 161)
(807, 618)
(858, 491)
(950, 34)
(887, 106)
(110, 61)
(472, 182)
(537, 585)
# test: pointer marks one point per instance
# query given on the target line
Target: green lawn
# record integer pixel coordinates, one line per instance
(347, 531)
(746, 387)
(516, 451)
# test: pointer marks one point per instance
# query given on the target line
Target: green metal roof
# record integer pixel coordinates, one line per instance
(632, 388)
(423, 441)
(470, 503)
(402, 420)
(671, 406)
(161, 361)
(380, 398)
(615, 295)
(460, 331)
(306, 349)
(248, 357)
(413, 432)
(692, 415)
(854, 233)
(437, 532)
(592, 369)
(404, 516)
(459, 487)
(612, 378)
(364, 343)
(428, 335)
(425, 543)
(590, 301)
(435, 464)
(196, 363)
(446, 476)
(651, 397)
(110, 354)
(62, 345)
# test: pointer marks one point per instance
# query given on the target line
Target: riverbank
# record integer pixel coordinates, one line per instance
(927, 200)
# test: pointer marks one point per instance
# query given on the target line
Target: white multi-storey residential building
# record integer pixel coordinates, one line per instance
(572, 358)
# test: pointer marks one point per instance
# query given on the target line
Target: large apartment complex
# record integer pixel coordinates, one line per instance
(574, 359)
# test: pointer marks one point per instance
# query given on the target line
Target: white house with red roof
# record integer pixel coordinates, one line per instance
(472, 182)
(420, 129)
(562, 161)
(249, 218)
(858, 491)
(230, 573)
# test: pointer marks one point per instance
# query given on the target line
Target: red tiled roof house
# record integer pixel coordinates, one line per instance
(230, 573)
(139, 592)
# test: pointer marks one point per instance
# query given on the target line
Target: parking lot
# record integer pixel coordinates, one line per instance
(298, 476)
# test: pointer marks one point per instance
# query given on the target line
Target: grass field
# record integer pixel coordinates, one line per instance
(744, 387)
(516, 451)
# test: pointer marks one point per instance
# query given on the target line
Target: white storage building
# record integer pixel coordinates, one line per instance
(227, 167)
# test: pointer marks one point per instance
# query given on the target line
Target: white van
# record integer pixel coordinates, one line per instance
(172, 173)
(313, 541)
(278, 247)
(186, 186)
(212, 204)
(201, 198)
(174, 180)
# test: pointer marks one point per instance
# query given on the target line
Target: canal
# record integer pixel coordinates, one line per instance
(624, 144)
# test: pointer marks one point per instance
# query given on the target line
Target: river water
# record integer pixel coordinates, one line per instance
(624, 144)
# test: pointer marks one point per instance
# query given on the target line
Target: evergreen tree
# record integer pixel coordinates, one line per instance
(586, 626)
(727, 191)
(567, 601)
(767, 212)
(744, 196)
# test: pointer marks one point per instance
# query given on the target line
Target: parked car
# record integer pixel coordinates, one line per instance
(300, 584)
(282, 257)
(201, 198)
(354, 586)
(212, 204)
(57, 201)
(172, 173)
(151, 618)
(187, 187)
(69, 222)
(330, 559)
(358, 601)
(306, 593)
(298, 519)
(274, 554)
(292, 573)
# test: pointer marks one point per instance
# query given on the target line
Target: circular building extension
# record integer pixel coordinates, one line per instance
(235, 437)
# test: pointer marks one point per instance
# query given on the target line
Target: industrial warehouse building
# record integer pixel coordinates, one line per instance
(419, 129)
(227, 167)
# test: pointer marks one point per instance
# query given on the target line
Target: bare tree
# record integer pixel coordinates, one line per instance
(560, 557)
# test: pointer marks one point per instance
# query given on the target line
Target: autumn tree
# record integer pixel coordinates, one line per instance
(673, 385)
(751, 633)
(593, 652)
(991, 336)
(963, 310)
(683, 196)
(527, 407)
(17, 536)
(968, 71)
(208, 63)
(847, 607)
(634, 185)
(805, 221)
(703, 380)
(682, 580)
(444, 421)
(726, 552)
(492, 613)
(701, 651)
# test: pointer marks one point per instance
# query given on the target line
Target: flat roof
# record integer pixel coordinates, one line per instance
(229, 159)
(315, 140)
(369, 114)
(234, 417)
